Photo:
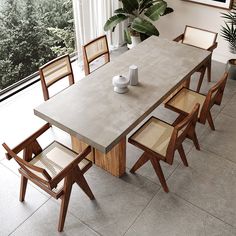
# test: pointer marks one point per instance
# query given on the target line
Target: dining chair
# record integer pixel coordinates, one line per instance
(159, 140)
(203, 39)
(54, 71)
(183, 101)
(97, 48)
(54, 169)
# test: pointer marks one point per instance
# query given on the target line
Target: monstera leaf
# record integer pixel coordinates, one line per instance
(144, 26)
(120, 11)
(113, 21)
(155, 11)
(130, 6)
(141, 14)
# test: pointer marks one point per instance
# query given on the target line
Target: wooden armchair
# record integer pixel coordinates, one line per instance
(203, 39)
(93, 50)
(159, 140)
(185, 99)
(54, 71)
(54, 169)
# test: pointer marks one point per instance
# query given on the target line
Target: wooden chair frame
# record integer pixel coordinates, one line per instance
(207, 65)
(71, 173)
(87, 62)
(214, 96)
(45, 86)
(187, 128)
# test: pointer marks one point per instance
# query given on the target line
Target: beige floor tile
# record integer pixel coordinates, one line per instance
(209, 183)
(230, 107)
(222, 140)
(12, 211)
(118, 201)
(169, 215)
(45, 221)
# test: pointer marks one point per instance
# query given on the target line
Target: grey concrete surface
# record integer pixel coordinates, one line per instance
(93, 112)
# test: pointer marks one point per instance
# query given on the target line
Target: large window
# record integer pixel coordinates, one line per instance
(32, 32)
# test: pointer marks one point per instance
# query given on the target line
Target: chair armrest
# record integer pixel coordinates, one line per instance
(179, 38)
(29, 140)
(27, 167)
(67, 169)
(212, 47)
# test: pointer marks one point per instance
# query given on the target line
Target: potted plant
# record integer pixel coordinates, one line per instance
(228, 32)
(140, 15)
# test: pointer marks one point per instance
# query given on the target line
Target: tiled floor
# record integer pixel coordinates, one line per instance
(201, 202)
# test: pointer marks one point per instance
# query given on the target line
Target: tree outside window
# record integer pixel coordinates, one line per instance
(32, 33)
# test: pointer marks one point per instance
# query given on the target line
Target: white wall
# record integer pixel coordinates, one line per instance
(188, 13)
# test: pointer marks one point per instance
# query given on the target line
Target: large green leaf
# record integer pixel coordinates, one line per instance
(120, 11)
(113, 21)
(145, 3)
(130, 5)
(154, 12)
(145, 27)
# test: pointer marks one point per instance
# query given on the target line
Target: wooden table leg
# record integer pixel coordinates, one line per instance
(78, 146)
(114, 161)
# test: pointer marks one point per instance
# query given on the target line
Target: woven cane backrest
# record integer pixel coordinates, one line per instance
(95, 49)
(199, 37)
(55, 70)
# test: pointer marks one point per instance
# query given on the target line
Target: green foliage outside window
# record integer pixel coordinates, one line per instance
(32, 33)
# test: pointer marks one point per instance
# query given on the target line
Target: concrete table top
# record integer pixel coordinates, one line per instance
(93, 112)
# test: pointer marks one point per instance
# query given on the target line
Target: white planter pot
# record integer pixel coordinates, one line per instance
(231, 68)
(135, 41)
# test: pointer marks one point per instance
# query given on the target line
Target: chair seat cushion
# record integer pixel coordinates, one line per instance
(185, 100)
(54, 159)
(155, 135)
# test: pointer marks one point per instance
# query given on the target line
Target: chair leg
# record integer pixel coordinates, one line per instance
(201, 79)
(65, 202)
(210, 121)
(209, 71)
(157, 167)
(23, 186)
(182, 155)
(195, 141)
(194, 138)
(140, 162)
(81, 181)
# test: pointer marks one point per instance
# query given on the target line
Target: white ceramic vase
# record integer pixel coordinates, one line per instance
(120, 84)
(135, 41)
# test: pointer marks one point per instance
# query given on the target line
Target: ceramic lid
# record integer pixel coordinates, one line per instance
(120, 81)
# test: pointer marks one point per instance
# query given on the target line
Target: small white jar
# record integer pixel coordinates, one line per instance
(120, 84)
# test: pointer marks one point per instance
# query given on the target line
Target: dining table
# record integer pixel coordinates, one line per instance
(94, 114)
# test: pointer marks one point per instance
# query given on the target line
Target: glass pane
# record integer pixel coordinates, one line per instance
(32, 33)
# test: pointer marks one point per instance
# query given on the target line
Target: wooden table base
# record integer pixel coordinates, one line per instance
(78, 146)
(114, 161)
